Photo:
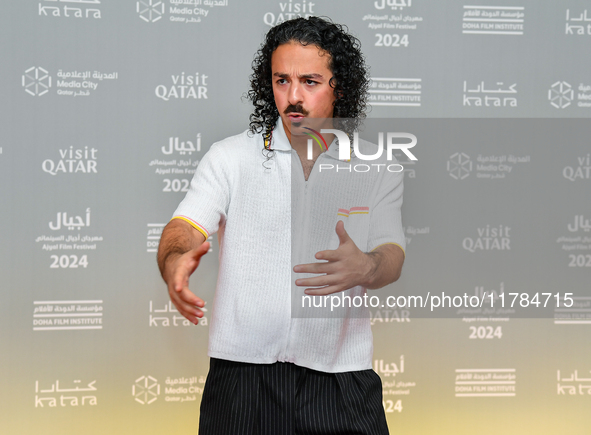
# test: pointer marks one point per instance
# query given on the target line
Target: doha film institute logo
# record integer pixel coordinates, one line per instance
(36, 81)
(150, 10)
(145, 390)
(560, 94)
(459, 166)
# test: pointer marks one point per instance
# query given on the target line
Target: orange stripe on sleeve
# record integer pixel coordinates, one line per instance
(194, 225)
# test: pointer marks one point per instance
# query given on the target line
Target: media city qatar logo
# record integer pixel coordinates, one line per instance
(150, 10)
(560, 94)
(179, 11)
(459, 166)
(345, 149)
(36, 81)
(145, 390)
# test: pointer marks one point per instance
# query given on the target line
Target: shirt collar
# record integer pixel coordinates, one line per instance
(333, 149)
(279, 140)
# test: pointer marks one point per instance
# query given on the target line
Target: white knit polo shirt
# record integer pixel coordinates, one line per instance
(268, 219)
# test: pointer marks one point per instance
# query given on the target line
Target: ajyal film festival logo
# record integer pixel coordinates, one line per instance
(36, 81)
(145, 390)
(345, 149)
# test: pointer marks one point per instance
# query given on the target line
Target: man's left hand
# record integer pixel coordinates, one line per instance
(344, 268)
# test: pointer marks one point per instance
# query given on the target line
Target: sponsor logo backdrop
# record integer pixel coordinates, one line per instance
(106, 109)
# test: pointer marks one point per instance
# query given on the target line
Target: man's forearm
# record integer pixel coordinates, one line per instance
(385, 266)
(177, 238)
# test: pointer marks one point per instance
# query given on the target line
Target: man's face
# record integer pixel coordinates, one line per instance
(301, 83)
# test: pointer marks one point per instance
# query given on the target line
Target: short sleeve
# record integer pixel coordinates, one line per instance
(385, 215)
(205, 206)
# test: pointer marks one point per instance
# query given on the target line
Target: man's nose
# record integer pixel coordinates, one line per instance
(295, 93)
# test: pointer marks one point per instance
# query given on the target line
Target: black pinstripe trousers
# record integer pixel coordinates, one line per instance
(285, 399)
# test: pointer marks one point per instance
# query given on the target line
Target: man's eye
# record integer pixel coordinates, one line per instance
(281, 81)
(310, 82)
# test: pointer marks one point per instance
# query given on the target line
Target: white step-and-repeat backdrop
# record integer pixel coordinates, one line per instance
(108, 106)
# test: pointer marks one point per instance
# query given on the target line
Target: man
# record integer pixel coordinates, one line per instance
(272, 370)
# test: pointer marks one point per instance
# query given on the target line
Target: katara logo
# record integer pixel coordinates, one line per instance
(150, 10)
(145, 390)
(560, 95)
(459, 166)
(36, 81)
(345, 144)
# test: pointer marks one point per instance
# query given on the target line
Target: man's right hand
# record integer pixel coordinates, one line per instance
(179, 252)
(177, 273)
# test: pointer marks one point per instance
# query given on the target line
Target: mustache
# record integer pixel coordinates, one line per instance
(298, 108)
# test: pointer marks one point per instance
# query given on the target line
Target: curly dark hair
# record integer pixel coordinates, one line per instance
(350, 79)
